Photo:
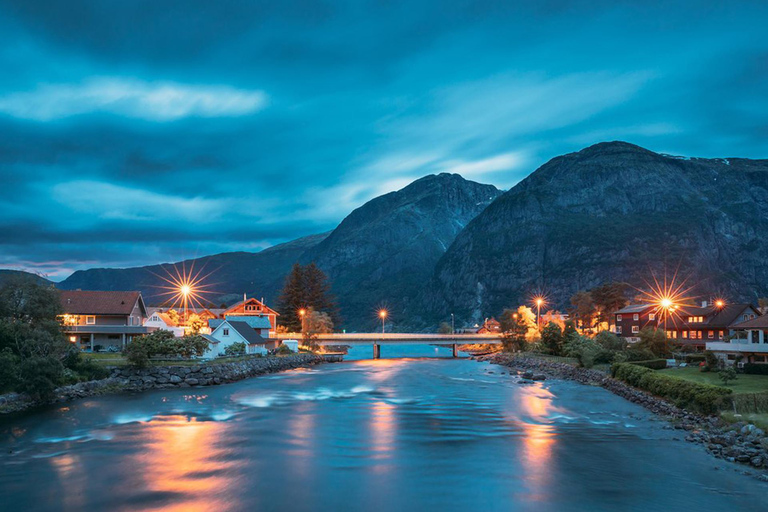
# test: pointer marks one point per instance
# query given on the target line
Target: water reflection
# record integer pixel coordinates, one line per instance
(182, 460)
(71, 479)
(535, 405)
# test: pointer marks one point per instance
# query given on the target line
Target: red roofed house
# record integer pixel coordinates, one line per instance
(96, 320)
(252, 308)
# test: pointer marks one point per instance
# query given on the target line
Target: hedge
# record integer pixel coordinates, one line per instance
(748, 403)
(695, 358)
(756, 369)
(703, 398)
(653, 364)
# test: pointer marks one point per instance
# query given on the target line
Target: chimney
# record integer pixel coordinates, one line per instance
(704, 304)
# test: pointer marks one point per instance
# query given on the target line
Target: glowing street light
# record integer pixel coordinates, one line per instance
(383, 316)
(719, 303)
(539, 301)
(302, 314)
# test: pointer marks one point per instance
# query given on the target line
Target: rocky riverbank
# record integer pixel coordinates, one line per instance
(741, 442)
(165, 377)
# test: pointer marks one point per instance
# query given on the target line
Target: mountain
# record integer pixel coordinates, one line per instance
(230, 274)
(384, 252)
(611, 212)
(12, 274)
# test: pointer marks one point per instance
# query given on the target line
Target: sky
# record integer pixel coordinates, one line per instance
(141, 132)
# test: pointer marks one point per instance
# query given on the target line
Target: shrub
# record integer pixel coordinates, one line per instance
(283, 350)
(711, 359)
(703, 398)
(163, 343)
(9, 370)
(84, 367)
(583, 348)
(40, 376)
(636, 353)
(235, 349)
(756, 369)
(695, 358)
(728, 374)
(653, 364)
(137, 353)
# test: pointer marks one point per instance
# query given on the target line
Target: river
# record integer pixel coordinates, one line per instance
(375, 435)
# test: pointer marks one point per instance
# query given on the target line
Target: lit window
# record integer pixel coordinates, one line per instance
(652, 316)
(720, 334)
(90, 320)
(618, 329)
(636, 317)
(711, 334)
(635, 329)
(685, 334)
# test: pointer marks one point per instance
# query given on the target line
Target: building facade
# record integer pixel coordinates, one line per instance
(103, 320)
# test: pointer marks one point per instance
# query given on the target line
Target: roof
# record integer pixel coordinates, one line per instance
(79, 302)
(214, 322)
(210, 338)
(167, 319)
(760, 322)
(634, 308)
(241, 304)
(247, 332)
(255, 322)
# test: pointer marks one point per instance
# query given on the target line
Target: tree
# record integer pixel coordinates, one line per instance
(445, 328)
(728, 374)
(305, 288)
(292, 299)
(195, 324)
(584, 309)
(174, 316)
(518, 328)
(654, 340)
(315, 323)
(552, 338)
(235, 349)
(608, 298)
(609, 341)
(583, 348)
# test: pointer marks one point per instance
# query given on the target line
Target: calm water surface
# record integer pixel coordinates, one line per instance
(392, 434)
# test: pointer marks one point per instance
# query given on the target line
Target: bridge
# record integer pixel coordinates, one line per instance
(376, 340)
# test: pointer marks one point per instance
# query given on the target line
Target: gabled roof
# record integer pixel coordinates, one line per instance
(79, 302)
(760, 322)
(255, 322)
(634, 308)
(247, 332)
(241, 304)
(214, 322)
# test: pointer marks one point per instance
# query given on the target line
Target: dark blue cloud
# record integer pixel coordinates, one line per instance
(132, 132)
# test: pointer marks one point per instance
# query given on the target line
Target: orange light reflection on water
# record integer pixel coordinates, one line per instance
(181, 457)
(538, 441)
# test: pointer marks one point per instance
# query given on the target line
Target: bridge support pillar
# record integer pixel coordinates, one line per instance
(455, 350)
(376, 351)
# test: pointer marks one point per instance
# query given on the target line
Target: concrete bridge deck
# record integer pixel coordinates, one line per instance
(376, 340)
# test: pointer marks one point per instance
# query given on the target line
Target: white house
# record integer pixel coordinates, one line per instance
(231, 331)
(163, 321)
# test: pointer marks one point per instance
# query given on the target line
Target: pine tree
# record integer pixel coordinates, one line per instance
(292, 299)
(318, 292)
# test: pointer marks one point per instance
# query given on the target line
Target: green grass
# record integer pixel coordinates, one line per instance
(759, 420)
(743, 384)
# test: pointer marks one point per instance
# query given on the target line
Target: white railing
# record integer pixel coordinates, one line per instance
(737, 346)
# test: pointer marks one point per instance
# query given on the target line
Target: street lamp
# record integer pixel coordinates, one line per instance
(302, 313)
(383, 316)
(185, 290)
(539, 303)
(453, 329)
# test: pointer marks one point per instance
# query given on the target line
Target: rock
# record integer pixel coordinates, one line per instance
(175, 379)
(756, 462)
(539, 376)
(192, 381)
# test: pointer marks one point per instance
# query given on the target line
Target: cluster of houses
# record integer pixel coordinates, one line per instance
(109, 320)
(734, 332)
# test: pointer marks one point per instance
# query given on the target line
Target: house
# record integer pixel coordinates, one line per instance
(748, 341)
(99, 320)
(691, 326)
(232, 331)
(252, 308)
(491, 325)
(163, 321)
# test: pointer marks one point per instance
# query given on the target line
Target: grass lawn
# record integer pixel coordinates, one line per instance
(743, 384)
(759, 420)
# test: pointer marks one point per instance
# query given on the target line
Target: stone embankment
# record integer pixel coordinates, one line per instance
(165, 377)
(740, 442)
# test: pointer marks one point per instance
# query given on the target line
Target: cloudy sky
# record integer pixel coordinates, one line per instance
(146, 131)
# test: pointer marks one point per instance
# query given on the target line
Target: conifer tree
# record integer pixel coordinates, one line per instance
(292, 299)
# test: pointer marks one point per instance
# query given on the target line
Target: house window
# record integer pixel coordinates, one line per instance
(711, 334)
(618, 318)
(225, 332)
(635, 317)
(90, 320)
(670, 334)
(685, 334)
(720, 334)
(635, 329)
(652, 316)
(618, 329)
